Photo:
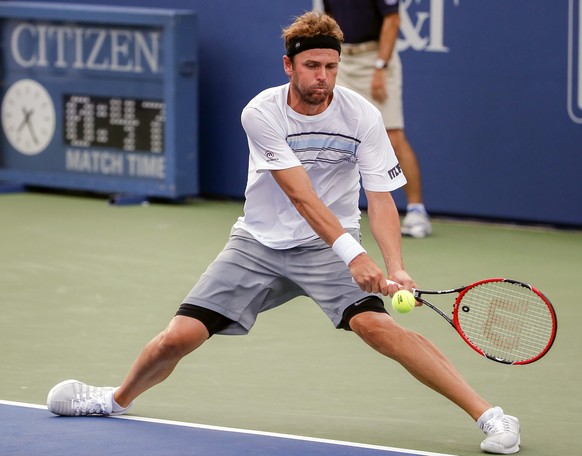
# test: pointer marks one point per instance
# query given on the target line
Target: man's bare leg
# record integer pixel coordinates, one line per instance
(160, 356)
(420, 357)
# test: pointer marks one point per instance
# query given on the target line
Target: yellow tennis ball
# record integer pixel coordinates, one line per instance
(403, 301)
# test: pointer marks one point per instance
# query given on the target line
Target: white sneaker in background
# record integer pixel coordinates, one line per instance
(416, 223)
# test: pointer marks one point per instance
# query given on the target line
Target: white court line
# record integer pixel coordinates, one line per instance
(247, 431)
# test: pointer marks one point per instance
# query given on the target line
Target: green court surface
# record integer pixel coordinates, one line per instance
(84, 285)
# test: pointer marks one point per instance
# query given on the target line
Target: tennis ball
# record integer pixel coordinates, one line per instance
(403, 301)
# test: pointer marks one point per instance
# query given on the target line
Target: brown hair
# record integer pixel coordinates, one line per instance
(310, 24)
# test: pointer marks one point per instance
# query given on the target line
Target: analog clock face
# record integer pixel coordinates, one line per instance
(28, 117)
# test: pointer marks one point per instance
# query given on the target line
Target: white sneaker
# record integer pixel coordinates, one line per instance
(417, 224)
(74, 398)
(502, 432)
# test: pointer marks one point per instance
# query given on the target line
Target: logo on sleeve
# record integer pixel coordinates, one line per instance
(270, 156)
(395, 172)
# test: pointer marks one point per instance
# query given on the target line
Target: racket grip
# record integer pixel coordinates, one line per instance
(391, 282)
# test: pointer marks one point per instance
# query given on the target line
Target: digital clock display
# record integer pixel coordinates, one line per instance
(127, 124)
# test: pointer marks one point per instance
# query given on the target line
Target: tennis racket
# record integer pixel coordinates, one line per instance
(504, 320)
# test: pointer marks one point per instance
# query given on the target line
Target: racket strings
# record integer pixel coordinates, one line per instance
(507, 321)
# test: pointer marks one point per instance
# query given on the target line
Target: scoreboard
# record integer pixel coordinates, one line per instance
(99, 98)
(119, 123)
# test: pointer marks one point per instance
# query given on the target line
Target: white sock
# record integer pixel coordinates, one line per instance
(116, 408)
(488, 414)
(417, 207)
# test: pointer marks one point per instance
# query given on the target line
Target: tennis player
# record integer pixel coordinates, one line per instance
(309, 142)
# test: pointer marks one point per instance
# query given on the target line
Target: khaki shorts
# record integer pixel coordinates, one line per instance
(356, 71)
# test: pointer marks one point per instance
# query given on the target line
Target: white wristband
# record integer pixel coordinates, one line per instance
(347, 248)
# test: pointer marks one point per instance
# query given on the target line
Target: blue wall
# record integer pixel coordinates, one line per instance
(489, 118)
(487, 102)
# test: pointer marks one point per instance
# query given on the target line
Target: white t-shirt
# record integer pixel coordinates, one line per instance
(335, 147)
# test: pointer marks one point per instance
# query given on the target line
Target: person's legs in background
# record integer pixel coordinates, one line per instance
(416, 222)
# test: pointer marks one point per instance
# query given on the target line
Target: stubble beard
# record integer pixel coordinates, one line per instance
(309, 96)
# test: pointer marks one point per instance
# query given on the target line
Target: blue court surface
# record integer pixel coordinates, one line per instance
(30, 430)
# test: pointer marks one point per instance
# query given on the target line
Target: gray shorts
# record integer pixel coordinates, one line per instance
(248, 278)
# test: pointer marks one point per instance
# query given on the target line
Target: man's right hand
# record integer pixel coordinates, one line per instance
(369, 276)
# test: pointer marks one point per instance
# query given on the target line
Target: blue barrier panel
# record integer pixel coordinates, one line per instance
(492, 98)
(99, 98)
(493, 106)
